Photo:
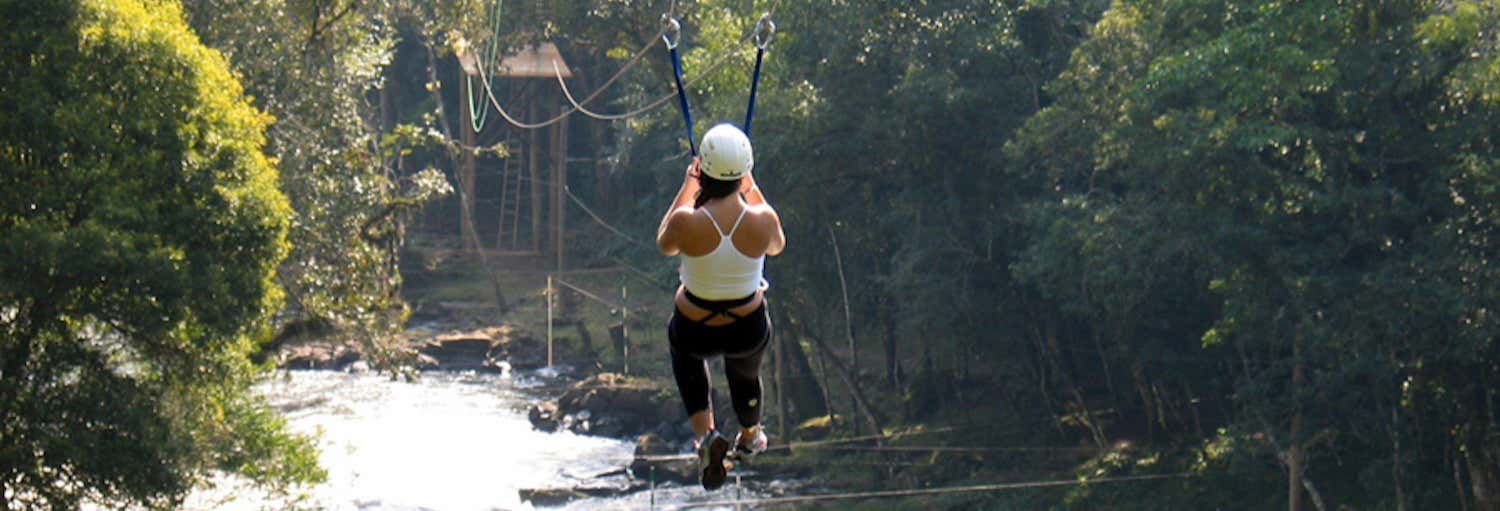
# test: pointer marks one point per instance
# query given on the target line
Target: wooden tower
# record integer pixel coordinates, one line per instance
(524, 195)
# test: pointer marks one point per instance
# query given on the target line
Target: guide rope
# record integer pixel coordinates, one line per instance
(916, 492)
(478, 115)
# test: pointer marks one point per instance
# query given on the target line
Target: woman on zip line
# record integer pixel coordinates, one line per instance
(722, 228)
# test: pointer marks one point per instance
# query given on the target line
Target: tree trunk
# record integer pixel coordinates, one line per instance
(892, 363)
(584, 337)
(806, 398)
(534, 167)
(1458, 482)
(468, 233)
(1142, 387)
(437, 96)
(776, 370)
(559, 185)
(1481, 455)
(1396, 460)
(1295, 457)
(861, 403)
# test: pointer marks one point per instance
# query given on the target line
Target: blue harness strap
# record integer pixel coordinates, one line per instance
(754, 84)
(767, 27)
(682, 102)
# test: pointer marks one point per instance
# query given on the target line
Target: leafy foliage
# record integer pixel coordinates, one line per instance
(1259, 226)
(313, 65)
(1305, 161)
(140, 227)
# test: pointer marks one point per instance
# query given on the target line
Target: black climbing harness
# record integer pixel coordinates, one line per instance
(718, 308)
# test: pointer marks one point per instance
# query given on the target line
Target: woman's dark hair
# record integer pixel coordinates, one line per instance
(710, 189)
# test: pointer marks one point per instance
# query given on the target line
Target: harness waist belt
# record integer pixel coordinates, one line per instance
(718, 307)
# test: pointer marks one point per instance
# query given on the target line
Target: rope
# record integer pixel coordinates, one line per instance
(577, 106)
(601, 221)
(603, 117)
(950, 448)
(587, 294)
(640, 274)
(490, 93)
(915, 492)
(815, 443)
(477, 118)
(890, 436)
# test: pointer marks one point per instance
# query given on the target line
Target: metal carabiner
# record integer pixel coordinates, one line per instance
(671, 32)
(764, 26)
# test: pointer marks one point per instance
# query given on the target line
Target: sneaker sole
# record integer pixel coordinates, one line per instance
(713, 475)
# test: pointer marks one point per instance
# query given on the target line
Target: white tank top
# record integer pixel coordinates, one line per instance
(724, 273)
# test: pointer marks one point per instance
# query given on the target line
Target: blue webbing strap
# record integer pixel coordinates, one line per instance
(767, 27)
(682, 102)
(754, 84)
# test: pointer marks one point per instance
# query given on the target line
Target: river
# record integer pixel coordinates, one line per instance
(449, 441)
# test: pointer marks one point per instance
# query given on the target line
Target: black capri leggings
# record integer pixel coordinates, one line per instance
(741, 343)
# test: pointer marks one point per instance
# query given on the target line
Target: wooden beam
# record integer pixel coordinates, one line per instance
(533, 165)
(559, 183)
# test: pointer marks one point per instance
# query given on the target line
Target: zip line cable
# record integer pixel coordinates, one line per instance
(951, 448)
(601, 221)
(634, 59)
(888, 436)
(917, 492)
(603, 117)
(798, 445)
(577, 106)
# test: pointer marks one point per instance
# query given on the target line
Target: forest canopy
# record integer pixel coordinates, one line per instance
(1248, 241)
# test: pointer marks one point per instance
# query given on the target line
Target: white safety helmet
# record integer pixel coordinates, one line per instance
(725, 153)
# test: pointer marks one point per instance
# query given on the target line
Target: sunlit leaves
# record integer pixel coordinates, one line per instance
(142, 226)
(313, 64)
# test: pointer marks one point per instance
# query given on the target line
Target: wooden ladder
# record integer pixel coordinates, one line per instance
(508, 236)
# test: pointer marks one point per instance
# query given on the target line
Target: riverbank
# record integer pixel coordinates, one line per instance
(455, 325)
(454, 331)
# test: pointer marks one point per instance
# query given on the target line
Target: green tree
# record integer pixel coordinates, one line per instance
(1322, 168)
(140, 229)
(316, 65)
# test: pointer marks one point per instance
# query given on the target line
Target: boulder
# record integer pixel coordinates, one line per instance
(488, 349)
(612, 405)
(543, 416)
(549, 497)
(318, 356)
(476, 350)
(656, 457)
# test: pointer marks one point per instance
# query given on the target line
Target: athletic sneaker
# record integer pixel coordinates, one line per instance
(712, 467)
(745, 447)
